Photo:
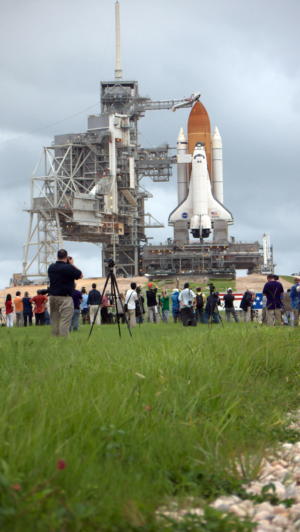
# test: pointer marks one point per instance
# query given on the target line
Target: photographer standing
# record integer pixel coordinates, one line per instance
(62, 275)
(187, 302)
(151, 302)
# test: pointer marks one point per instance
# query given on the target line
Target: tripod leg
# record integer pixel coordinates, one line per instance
(220, 317)
(113, 282)
(140, 305)
(95, 317)
(117, 288)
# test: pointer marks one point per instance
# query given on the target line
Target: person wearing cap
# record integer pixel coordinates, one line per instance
(295, 297)
(229, 308)
(175, 305)
(151, 302)
(187, 302)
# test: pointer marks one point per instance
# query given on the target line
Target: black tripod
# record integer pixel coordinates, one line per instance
(113, 290)
(2, 319)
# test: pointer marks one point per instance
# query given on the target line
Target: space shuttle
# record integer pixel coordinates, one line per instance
(200, 201)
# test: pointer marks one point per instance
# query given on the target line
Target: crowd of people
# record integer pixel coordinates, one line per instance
(67, 303)
(24, 308)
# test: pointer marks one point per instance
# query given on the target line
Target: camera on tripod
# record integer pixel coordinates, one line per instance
(211, 288)
(111, 263)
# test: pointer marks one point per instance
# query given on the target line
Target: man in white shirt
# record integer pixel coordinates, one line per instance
(131, 297)
(187, 302)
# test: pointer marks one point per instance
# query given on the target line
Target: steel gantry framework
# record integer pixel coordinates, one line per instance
(87, 187)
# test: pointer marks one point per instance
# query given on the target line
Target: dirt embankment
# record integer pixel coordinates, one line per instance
(123, 285)
(252, 282)
(256, 282)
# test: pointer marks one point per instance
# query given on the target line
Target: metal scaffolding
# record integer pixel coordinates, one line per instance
(87, 187)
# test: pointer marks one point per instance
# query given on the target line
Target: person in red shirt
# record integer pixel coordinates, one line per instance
(9, 311)
(39, 309)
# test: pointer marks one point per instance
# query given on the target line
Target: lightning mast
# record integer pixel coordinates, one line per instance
(118, 71)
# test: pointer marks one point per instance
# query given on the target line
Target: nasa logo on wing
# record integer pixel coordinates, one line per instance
(184, 215)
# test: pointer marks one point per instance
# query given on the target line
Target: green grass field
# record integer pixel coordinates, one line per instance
(288, 278)
(137, 422)
(221, 285)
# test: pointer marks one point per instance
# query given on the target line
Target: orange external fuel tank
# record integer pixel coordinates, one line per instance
(199, 130)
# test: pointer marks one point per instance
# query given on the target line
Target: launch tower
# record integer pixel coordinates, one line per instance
(87, 187)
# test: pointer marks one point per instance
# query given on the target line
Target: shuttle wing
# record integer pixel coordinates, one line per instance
(184, 211)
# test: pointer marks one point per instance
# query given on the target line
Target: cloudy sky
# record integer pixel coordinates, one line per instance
(242, 55)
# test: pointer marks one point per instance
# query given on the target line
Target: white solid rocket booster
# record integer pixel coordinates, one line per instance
(182, 167)
(217, 165)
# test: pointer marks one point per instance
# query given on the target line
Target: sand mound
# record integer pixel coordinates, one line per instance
(256, 282)
(123, 285)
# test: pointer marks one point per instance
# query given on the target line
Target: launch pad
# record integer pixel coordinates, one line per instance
(220, 259)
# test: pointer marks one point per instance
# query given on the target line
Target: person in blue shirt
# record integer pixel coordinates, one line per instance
(84, 306)
(295, 297)
(77, 299)
(27, 309)
(175, 305)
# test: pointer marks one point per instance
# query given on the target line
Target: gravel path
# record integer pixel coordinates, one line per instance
(283, 471)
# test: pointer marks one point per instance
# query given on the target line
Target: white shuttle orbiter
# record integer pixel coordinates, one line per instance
(200, 207)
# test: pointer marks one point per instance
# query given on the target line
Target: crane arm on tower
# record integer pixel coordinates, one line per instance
(152, 105)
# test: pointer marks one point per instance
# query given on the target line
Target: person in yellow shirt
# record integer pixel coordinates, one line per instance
(18, 309)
